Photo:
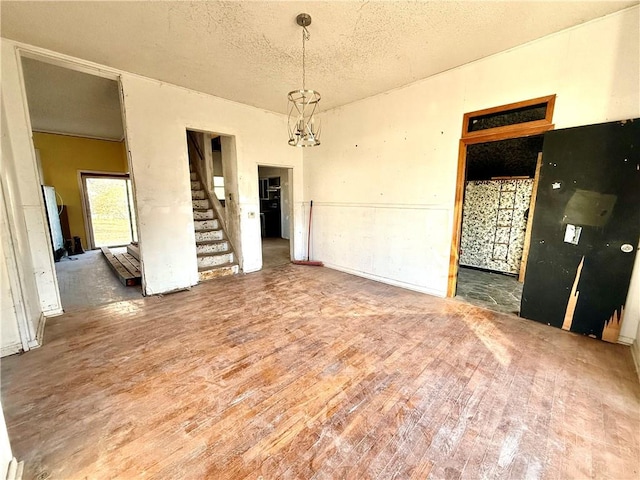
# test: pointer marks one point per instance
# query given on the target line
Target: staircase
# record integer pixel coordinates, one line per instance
(215, 253)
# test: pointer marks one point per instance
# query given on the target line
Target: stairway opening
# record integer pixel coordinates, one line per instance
(214, 207)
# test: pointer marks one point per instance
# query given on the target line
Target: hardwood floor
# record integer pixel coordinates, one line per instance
(305, 373)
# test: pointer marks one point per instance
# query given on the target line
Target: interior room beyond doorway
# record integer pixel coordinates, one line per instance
(274, 186)
(78, 137)
(491, 290)
(498, 190)
(87, 281)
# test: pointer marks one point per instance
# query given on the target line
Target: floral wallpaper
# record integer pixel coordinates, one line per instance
(494, 223)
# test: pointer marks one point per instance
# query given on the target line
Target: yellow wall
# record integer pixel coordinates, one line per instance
(62, 156)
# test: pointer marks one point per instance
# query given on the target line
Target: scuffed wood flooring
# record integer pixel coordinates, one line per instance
(302, 372)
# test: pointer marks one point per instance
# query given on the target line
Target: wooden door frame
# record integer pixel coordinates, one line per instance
(288, 174)
(520, 130)
(86, 210)
(532, 209)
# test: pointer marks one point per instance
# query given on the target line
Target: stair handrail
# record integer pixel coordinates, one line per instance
(213, 200)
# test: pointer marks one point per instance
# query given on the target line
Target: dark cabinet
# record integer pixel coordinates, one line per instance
(270, 207)
(272, 227)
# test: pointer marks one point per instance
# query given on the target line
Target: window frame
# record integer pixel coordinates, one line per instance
(548, 100)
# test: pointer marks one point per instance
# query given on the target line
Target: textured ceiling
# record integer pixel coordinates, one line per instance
(69, 102)
(250, 51)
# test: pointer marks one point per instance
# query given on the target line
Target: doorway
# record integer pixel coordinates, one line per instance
(497, 179)
(497, 203)
(274, 186)
(216, 212)
(79, 140)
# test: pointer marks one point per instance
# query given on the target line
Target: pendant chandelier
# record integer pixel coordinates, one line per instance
(304, 129)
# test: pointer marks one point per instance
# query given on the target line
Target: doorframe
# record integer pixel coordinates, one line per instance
(22, 50)
(86, 210)
(519, 130)
(26, 330)
(289, 178)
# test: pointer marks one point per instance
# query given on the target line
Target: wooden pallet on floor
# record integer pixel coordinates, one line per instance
(134, 250)
(125, 266)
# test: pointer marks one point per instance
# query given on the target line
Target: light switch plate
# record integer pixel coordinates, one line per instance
(572, 234)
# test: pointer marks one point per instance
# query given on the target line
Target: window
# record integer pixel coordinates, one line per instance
(109, 205)
(218, 187)
(514, 116)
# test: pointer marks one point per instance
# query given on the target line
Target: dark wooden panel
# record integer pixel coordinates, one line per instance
(64, 222)
(590, 177)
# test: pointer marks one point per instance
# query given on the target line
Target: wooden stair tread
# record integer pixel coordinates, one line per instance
(210, 242)
(227, 268)
(213, 254)
(216, 267)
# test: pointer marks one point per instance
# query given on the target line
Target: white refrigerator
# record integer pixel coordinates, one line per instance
(53, 215)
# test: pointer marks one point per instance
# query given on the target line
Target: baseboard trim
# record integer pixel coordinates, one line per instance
(10, 349)
(625, 340)
(388, 281)
(15, 470)
(39, 333)
(56, 312)
(636, 360)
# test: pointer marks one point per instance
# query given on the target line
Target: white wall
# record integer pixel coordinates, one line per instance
(9, 334)
(10, 341)
(383, 180)
(21, 306)
(23, 193)
(156, 116)
(632, 314)
(285, 203)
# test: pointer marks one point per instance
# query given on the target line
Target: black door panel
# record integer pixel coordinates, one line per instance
(590, 179)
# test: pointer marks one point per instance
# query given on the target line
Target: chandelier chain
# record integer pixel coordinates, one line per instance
(305, 37)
